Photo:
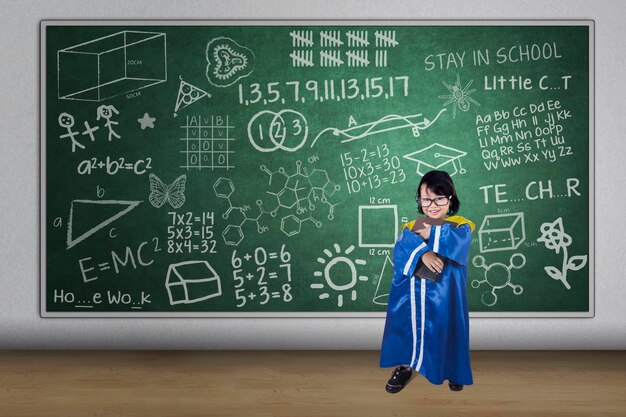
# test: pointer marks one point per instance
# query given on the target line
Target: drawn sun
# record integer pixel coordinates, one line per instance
(339, 273)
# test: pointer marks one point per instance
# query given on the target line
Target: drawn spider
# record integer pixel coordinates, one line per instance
(460, 96)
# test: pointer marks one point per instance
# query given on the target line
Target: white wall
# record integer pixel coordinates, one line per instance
(20, 324)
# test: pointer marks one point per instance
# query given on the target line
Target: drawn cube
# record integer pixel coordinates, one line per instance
(500, 232)
(378, 226)
(111, 65)
(192, 281)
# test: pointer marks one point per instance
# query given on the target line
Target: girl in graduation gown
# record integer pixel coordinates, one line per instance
(427, 325)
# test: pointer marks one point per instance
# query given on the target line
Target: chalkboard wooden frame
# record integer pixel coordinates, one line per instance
(46, 312)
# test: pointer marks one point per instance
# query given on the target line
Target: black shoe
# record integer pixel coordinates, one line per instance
(455, 387)
(398, 380)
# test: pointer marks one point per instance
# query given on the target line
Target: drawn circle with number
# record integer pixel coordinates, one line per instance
(259, 132)
(286, 130)
(292, 125)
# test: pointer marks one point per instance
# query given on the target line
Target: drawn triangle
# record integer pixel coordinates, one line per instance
(90, 212)
(381, 297)
(180, 103)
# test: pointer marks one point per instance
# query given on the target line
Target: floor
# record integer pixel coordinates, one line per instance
(302, 383)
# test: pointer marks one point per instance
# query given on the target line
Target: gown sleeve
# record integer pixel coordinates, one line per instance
(408, 249)
(452, 242)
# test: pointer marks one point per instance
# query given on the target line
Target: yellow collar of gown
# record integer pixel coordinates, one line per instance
(456, 219)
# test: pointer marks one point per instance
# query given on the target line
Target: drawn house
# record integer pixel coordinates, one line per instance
(192, 281)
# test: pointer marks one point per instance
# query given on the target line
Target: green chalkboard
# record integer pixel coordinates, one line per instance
(265, 168)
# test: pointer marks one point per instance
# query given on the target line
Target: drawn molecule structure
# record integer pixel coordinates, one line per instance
(302, 189)
(498, 276)
(298, 192)
(233, 233)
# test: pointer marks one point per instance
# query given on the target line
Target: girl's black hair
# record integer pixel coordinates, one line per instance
(440, 183)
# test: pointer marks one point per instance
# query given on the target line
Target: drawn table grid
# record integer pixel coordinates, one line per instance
(207, 145)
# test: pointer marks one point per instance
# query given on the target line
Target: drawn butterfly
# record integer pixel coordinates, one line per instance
(161, 192)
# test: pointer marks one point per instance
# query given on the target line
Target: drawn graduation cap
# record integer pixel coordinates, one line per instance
(438, 157)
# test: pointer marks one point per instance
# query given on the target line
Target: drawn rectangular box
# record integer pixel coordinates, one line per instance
(192, 281)
(112, 65)
(499, 232)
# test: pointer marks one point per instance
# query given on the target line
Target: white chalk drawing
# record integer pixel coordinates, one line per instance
(330, 38)
(332, 46)
(160, 193)
(335, 276)
(89, 130)
(207, 142)
(233, 233)
(498, 276)
(302, 189)
(66, 121)
(103, 112)
(459, 96)
(286, 130)
(376, 217)
(188, 94)
(107, 112)
(385, 124)
(553, 236)
(438, 157)
(191, 282)
(146, 121)
(381, 58)
(112, 65)
(381, 296)
(330, 58)
(111, 211)
(358, 58)
(357, 38)
(300, 192)
(386, 39)
(501, 232)
(301, 58)
(301, 38)
(227, 62)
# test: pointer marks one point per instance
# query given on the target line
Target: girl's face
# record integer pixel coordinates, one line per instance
(429, 202)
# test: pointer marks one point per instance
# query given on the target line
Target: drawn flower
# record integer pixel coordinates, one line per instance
(554, 237)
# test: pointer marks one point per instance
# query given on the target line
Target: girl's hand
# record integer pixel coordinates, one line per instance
(425, 232)
(432, 261)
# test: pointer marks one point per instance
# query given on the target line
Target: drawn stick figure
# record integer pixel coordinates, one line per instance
(106, 112)
(66, 121)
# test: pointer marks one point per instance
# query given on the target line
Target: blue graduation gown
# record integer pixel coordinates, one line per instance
(427, 322)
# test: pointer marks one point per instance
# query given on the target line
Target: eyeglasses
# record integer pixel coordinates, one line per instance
(439, 201)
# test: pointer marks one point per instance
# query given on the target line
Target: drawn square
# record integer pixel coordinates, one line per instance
(378, 226)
